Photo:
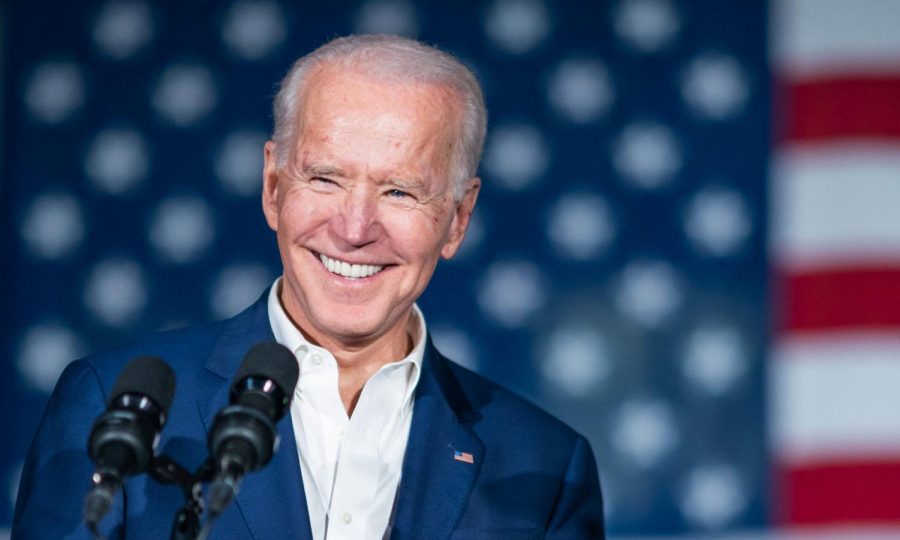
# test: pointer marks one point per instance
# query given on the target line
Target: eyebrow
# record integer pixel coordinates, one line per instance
(406, 184)
(322, 170)
(403, 183)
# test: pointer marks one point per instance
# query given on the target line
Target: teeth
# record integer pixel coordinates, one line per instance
(352, 271)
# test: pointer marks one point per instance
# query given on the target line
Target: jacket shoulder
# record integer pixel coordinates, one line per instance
(180, 348)
(188, 347)
(503, 408)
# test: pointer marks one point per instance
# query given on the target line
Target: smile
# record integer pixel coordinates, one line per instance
(347, 270)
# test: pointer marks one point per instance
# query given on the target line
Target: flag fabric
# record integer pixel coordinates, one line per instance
(725, 336)
(836, 251)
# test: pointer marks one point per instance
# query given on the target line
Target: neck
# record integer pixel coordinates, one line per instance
(359, 359)
(356, 365)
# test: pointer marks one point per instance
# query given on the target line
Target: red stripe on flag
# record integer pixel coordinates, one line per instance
(842, 107)
(857, 298)
(845, 492)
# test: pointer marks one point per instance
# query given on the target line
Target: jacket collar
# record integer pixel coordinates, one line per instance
(271, 500)
(443, 455)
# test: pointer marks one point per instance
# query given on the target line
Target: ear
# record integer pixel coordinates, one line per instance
(461, 216)
(270, 185)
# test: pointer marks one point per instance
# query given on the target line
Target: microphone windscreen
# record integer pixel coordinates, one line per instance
(271, 361)
(149, 376)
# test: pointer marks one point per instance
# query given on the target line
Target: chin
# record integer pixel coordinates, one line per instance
(353, 323)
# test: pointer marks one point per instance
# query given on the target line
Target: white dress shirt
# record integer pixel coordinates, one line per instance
(350, 465)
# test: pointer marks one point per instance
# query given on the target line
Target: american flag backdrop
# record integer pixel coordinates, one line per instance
(687, 245)
(835, 248)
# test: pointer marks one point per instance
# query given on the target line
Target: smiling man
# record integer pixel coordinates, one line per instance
(365, 198)
(369, 180)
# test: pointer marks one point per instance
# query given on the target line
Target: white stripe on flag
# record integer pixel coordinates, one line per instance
(819, 38)
(835, 395)
(836, 204)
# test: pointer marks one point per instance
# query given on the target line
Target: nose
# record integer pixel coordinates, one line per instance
(356, 223)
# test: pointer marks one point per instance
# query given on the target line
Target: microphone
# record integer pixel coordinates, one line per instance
(123, 440)
(244, 437)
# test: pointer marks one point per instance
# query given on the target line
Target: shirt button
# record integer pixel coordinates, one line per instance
(347, 518)
(340, 432)
(317, 360)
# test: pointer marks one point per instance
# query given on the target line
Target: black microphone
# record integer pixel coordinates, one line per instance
(123, 440)
(244, 437)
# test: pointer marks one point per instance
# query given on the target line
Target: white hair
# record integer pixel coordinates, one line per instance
(390, 58)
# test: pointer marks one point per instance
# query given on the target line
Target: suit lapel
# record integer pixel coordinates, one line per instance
(271, 500)
(435, 486)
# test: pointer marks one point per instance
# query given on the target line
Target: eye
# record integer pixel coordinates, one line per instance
(323, 184)
(397, 194)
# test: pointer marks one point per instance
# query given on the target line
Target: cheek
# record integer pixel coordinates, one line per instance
(418, 234)
(302, 215)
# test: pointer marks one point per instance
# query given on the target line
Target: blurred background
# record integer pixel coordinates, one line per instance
(687, 244)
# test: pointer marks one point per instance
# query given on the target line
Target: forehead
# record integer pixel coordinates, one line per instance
(338, 93)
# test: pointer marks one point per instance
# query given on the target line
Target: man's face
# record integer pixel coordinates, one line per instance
(364, 208)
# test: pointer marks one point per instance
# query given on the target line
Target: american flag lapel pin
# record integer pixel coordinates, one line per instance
(465, 457)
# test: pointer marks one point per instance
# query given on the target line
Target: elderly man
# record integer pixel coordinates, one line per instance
(369, 179)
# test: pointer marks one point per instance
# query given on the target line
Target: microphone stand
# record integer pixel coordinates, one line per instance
(167, 471)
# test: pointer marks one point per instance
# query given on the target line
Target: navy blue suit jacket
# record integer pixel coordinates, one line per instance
(532, 476)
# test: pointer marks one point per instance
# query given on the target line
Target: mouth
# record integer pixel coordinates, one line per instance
(349, 270)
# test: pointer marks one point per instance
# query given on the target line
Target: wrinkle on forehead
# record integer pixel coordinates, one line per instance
(443, 108)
